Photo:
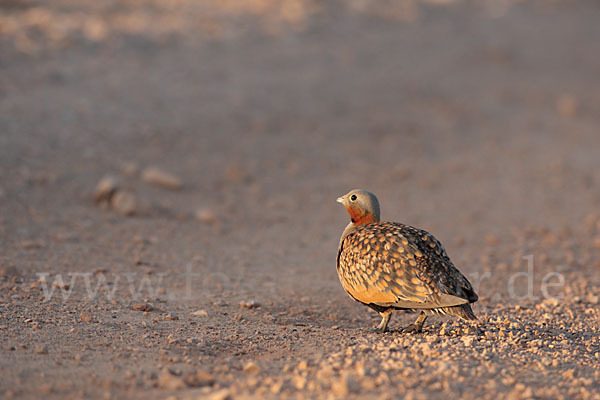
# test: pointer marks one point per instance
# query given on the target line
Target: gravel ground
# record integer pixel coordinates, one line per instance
(220, 134)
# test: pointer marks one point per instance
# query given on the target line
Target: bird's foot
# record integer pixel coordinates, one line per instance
(413, 328)
(385, 319)
(417, 326)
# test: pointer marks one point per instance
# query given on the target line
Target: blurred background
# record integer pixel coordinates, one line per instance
(475, 120)
(230, 127)
(469, 119)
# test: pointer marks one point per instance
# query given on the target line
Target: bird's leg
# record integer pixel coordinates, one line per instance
(417, 326)
(385, 318)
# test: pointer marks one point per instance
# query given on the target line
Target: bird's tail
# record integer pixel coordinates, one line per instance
(463, 311)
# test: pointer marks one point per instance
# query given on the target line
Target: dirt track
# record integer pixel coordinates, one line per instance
(477, 123)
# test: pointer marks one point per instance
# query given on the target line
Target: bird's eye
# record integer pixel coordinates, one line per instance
(353, 197)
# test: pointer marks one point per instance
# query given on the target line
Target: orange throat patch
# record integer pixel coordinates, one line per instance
(360, 217)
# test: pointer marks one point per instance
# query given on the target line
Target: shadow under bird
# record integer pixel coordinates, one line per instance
(390, 266)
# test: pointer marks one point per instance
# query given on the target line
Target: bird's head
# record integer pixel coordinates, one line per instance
(362, 206)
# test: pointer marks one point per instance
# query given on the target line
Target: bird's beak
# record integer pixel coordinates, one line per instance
(340, 200)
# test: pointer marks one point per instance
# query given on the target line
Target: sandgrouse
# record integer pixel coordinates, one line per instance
(390, 266)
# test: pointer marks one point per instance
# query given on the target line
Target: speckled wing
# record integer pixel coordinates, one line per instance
(394, 265)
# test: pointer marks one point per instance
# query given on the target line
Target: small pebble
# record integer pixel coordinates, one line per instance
(344, 386)
(167, 380)
(200, 313)
(251, 367)
(171, 316)
(199, 379)
(223, 394)
(124, 202)
(206, 216)
(85, 317)
(105, 189)
(249, 304)
(142, 307)
(468, 340)
(158, 177)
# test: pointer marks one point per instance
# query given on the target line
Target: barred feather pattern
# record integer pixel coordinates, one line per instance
(463, 311)
(393, 265)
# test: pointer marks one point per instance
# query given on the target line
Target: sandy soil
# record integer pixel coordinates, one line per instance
(476, 121)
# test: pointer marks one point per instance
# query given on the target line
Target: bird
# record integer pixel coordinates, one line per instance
(390, 266)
